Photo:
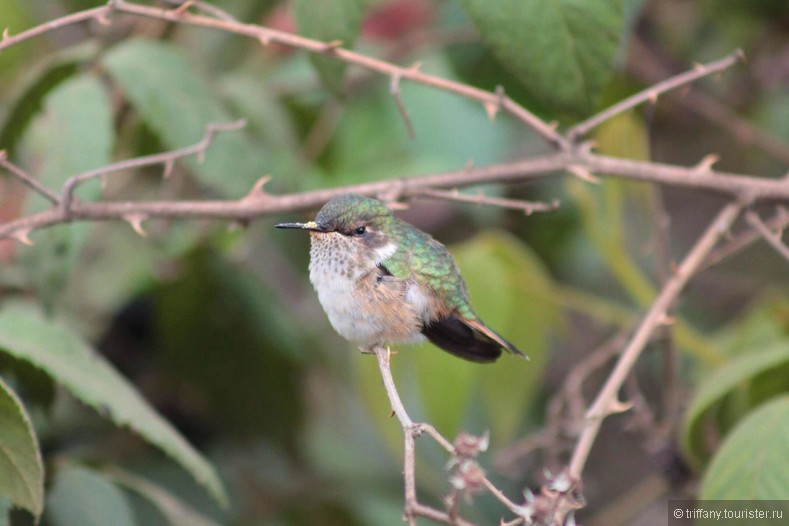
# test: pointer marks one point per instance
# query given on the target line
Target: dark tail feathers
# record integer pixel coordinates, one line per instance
(468, 339)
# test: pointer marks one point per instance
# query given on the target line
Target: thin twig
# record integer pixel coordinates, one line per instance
(653, 92)
(413, 508)
(273, 36)
(27, 179)
(607, 400)
(58, 23)
(773, 239)
(528, 207)
(211, 130)
(742, 240)
(383, 356)
(394, 90)
(650, 69)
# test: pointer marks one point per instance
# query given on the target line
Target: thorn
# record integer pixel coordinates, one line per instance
(586, 147)
(264, 39)
(653, 97)
(257, 191)
(6, 33)
(469, 165)
(582, 173)
(414, 68)
(23, 236)
(332, 46)
(619, 407)
(102, 19)
(103, 181)
(183, 7)
(706, 163)
(3, 155)
(740, 54)
(135, 220)
(667, 320)
(553, 125)
(493, 108)
(201, 157)
(169, 166)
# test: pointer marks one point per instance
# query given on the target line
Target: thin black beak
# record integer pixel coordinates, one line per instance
(311, 225)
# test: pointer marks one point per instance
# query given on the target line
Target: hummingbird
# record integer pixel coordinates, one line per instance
(383, 281)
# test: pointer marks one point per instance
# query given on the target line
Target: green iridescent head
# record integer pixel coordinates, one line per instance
(348, 212)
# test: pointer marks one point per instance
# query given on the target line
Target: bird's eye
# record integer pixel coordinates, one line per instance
(360, 231)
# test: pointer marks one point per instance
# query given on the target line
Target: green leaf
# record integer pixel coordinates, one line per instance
(177, 512)
(52, 347)
(754, 376)
(73, 134)
(753, 461)
(21, 469)
(82, 497)
(562, 50)
(29, 91)
(180, 113)
(329, 21)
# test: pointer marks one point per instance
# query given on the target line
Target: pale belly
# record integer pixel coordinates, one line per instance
(366, 310)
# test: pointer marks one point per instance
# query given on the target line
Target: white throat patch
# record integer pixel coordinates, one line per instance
(384, 252)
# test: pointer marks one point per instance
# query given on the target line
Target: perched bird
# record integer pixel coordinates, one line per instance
(381, 281)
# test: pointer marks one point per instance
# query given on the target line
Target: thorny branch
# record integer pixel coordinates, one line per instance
(607, 401)
(560, 496)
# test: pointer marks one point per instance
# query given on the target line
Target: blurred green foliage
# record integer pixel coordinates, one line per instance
(210, 346)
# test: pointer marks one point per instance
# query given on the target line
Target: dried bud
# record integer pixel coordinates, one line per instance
(469, 446)
(468, 478)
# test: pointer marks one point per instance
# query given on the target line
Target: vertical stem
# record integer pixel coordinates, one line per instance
(394, 398)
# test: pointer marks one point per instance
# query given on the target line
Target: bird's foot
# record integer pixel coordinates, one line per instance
(371, 350)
